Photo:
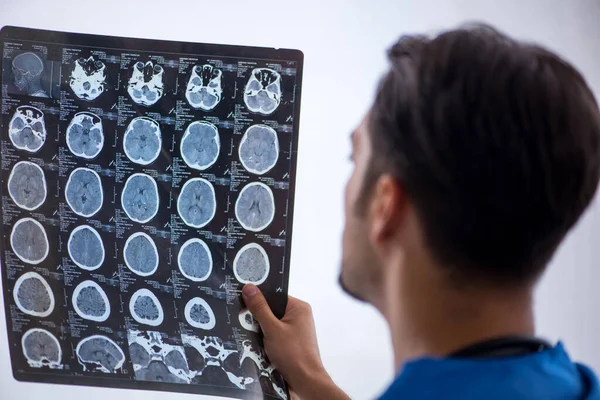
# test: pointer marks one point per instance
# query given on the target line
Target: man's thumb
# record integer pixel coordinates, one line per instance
(258, 306)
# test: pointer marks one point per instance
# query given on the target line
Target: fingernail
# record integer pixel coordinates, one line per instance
(249, 290)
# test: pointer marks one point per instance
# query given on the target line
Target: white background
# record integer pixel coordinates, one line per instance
(344, 43)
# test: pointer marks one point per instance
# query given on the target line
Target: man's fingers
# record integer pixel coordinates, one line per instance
(257, 305)
(295, 304)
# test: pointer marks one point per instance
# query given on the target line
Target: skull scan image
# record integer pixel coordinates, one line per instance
(156, 361)
(251, 264)
(85, 248)
(175, 360)
(197, 203)
(266, 370)
(247, 321)
(27, 129)
(142, 141)
(146, 84)
(140, 198)
(211, 360)
(99, 353)
(207, 358)
(83, 192)
(157, 371)
(33, 295)
(204, 89)
(140, 254)
(27, 71)
(255, 207)
(262, 94)
(259, 149)
(139, 355)
(199, 314)
(41, 349)
(29, 241)
(145, 308)
(88, 78)
(200, 145)
(85, 135)
(195, 260)
(90, 301)
(27, 185)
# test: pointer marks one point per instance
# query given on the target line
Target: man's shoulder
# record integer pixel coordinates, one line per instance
(549, 375)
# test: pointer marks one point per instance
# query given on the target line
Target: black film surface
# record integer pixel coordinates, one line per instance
(143, 183)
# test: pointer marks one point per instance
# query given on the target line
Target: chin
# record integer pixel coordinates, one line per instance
(348, 289)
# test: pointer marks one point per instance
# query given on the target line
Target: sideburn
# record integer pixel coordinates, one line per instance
(372, 173)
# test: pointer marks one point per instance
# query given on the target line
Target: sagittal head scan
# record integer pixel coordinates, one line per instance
(27, 71)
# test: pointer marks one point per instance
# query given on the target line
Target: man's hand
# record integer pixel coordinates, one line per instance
(291, 345)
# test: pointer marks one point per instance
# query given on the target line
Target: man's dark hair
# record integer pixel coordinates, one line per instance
(496, 143)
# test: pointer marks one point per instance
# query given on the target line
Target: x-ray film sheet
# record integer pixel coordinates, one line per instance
(143, 184)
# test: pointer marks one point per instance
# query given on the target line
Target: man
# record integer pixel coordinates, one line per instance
(476, 158)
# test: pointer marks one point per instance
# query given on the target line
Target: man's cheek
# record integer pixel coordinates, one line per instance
(349, 193)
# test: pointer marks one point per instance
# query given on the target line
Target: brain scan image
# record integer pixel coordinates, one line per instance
(88, 78)
(204, 89)
(145, 308)
(255, 207)
(29, 241)
(27, 72)
(200, 145)
(33, 295)
(84, 192)
(195, 260)
(197, 203)
(259, 149)
(210, 360)
(27, 185)
(99, 353)
(140, 198)
(199, 314)
(85, 248)
(262, 94)
(90, 301)
(157, 361)
(176, 360)
(41, 349)
(266, 369)
(146, 84)
(139, 355)
(142, 141)
(157, 371)
(247, 321)
(27, 129)
(251, 264)
(85, 135)
(140, 254)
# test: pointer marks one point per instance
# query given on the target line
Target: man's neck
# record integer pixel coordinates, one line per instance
(427, 318)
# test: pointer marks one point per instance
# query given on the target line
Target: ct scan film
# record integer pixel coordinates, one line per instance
(143, 184)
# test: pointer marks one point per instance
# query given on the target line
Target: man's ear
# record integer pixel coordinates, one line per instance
(387, 208)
